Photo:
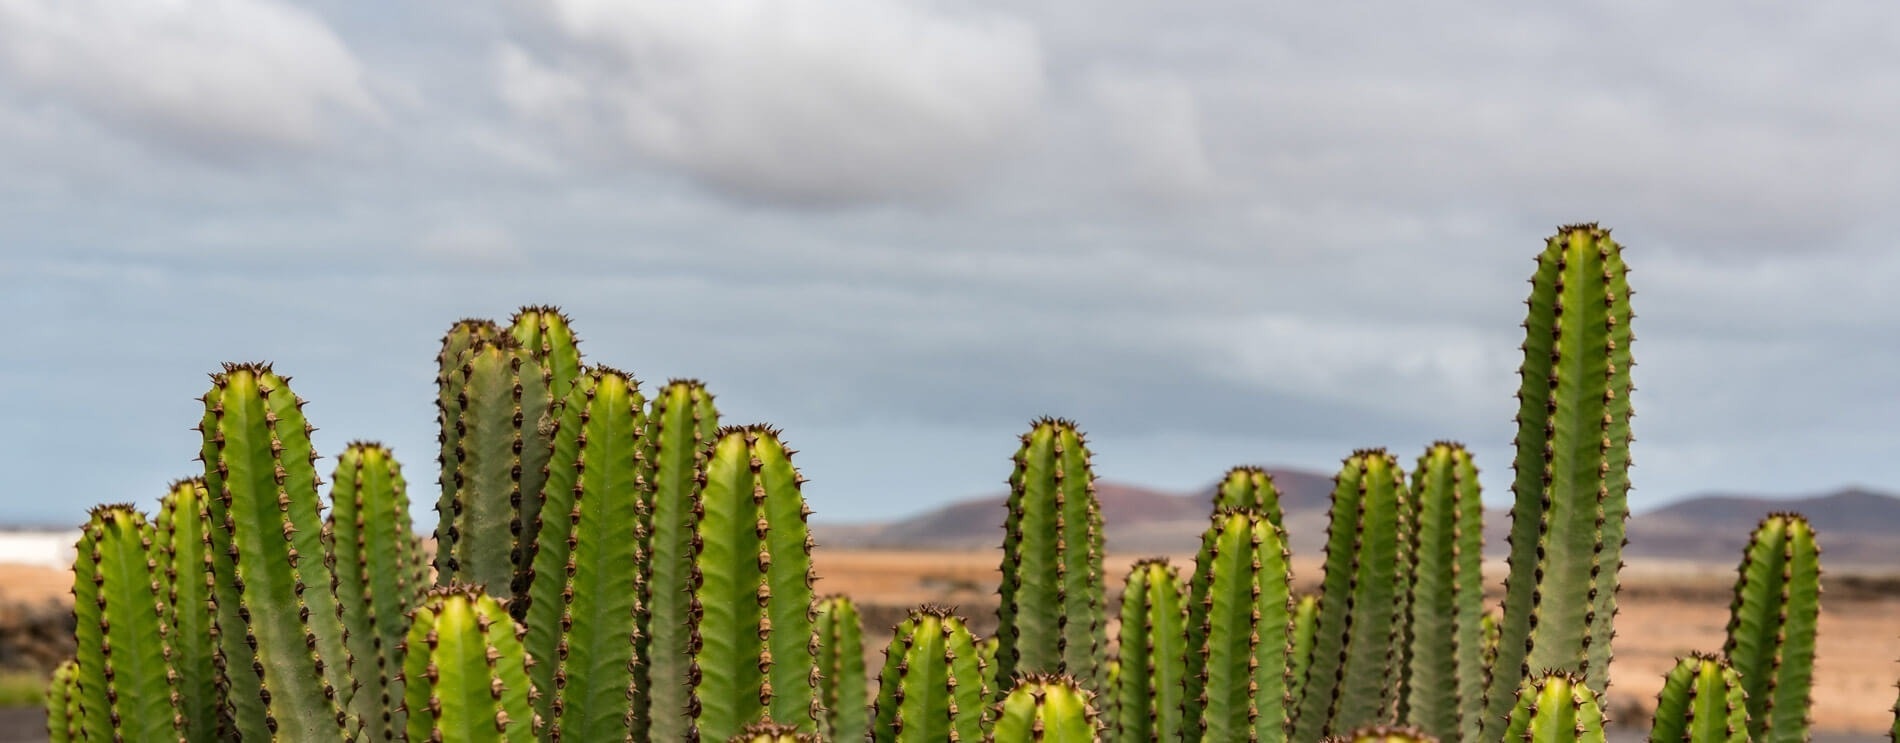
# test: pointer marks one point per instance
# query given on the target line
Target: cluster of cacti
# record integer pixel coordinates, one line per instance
(609, 566)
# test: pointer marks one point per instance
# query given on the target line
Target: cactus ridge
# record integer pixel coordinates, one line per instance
(932, 683)
(1051, 708)
(1154, 616)
(1445, 667)
(127, 687)
(1240, 610)
(681, 426)
(1572, 468)
(1557, 705)
(1773, 625)
(63, 714)
(451, 400)
(1701, 702)
(1300, 641)
(373, 548)
(547, 335)
(842, 686)
(183, 536)
(1053, 600)
(465, 673)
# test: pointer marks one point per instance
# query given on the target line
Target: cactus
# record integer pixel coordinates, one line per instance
(753, 653)
(680, 425)
(1046, 708)
(931, 688)
(986, 649)
(1249, 487)
(548, 337)
(125, 687)
(1053, 613)
(450, 401)
(1555, 707)
(1701, 702)
(373, 547)
(1445, 679)
(497, 466)
(1300, 644)
(64, 718)
(771, 732)
(841, 681)
(183, 535)
(588, 586)
(1153, 653)
(465, 674)
(1488, 625)
(1572, 469)
(1772, 626)
(284, 667)
(1355, 648)
(1239, 615)
(1386, 734)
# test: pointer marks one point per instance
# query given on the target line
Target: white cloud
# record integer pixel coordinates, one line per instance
(204, 74)
(798, 100)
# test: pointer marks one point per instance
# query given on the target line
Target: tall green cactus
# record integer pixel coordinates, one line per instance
(681, 424)
(1445, 679)
(465, 674)
(1572, 480)
(931, 688)
(588, 586)
(842, 687)
(1555, 707)
(126, 688)
(548, 337)
(1239, 615)
(1047, 708)
(1154, 653)
(450, 400)
(1772, 627)
(1249, 487)
(752, 643)
(497, 466)
(1300, 647)
(1701, 702)
(64, 718)
(1356, 643)
(374, 550)
(183, 536)
(1053, 612)
(285, 668)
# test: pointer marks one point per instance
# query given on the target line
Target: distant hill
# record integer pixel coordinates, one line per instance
(1856, 527)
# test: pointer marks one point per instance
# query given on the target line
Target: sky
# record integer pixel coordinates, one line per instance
(1213, 233)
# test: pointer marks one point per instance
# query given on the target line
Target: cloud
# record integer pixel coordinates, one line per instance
(204, 75)
(806, 101)
(1154, 126)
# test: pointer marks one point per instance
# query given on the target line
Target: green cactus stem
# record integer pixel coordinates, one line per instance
(183, 536)
(1555, 707)
(842, 687)
(1046, 708)
(1489, 625)
(932, 687)
(64, 718)
(374, 549)
(1356, 642)
(753, 654)
(1249, 487)
(1300, 649)
(986, 649)
(588, 586)
(771, 732)
(1701, 702)
(1053, 614)
(681, 424)
(1386, 734)
(497, 466)
(119, 605)
(1572, 469)
(465, 674)
(1445, 682)
(285, 668)
(1772, 627)
(1154, 652)
(1240, 611)
(450, 400)
(548, 336)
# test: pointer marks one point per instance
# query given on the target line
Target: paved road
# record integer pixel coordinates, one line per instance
(22, 725)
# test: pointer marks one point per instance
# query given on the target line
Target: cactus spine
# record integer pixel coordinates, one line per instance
(1701, 702)
(771, 732)
(588, 586)
(680, 428)
(64, 718)
(1772, 626)
(285, 668)
(841, 682)
(753, 654)
(1300, 645)
(1387, 734)
(374, 550)
(119, 606)
(497, 465)
(1249, 487)
(931, 688)
(1046, 708)
(1240, 609)
(1445, 680)
(183, 534)
(1153, 653)
(465, 676)
(1054, 606)
(1555, 707)
(1356, 642)
(1572, 479)
(548, 337)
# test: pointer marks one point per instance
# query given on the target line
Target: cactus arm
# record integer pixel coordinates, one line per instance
(682, 423)
(501, 459)
(183, 531)
(1046, 709)
(931, 688)
(118, 606)
(1446, 681)
(63, 716)
(1153, 654)
(1701, 702)
(451, 389)
(1772, 627)
(1054, 604)
(1249, 487)
(465, 672)
(842, 684)
(1300, 645)
(372, 543)
(548, 337)
(1555, 708)
(785, 556)
(1349, 678)
(1241, 682)
(986, 650)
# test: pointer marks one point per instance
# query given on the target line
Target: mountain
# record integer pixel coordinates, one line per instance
(1854, 526)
